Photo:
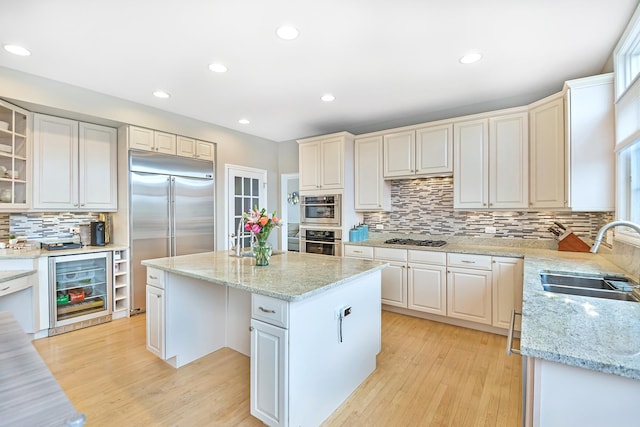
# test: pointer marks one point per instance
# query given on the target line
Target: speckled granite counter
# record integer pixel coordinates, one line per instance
(290, 276)
(593, 333)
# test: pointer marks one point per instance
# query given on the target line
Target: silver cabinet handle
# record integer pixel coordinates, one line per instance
(153, 277)
(510, 348)
(4, 289)
(468, 262)
(266, 310)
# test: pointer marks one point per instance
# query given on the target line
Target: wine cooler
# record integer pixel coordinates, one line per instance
(80, 291)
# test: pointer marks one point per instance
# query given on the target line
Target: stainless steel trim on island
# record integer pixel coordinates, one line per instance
(309, 323)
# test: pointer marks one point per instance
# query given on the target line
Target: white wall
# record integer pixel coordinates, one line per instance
(51, 97)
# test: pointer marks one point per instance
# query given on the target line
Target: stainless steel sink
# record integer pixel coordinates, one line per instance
(609, 287)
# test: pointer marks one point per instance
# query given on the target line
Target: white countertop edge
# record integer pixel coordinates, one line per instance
(5, 276)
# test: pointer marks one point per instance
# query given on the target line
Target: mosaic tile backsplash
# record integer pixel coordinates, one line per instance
(38, 226)
(426, 206)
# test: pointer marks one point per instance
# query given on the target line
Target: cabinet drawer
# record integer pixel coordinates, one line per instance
(155, 277)
(14, 285)
(427, 257)
(358, 251)
(479, 262)
(390, 254)
(270, 310)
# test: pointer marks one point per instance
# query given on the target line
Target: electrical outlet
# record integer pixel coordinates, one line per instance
(74, 230)
(379, 227)
(490, 230)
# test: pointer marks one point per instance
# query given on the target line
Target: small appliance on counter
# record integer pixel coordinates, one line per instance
(98, 233)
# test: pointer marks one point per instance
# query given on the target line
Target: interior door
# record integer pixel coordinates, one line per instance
(246, 189)
(193, 222)
(149, 228)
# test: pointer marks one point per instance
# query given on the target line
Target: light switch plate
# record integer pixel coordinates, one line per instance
(490, 230)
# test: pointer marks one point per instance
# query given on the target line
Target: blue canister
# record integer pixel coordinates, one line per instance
(365, 231)
(353, 235)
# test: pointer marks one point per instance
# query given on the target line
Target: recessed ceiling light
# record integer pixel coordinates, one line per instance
(16, 50)
(470, 58)
(244, 121)
(161, 94)
(217, 68)
(328, 97)
(287, 32)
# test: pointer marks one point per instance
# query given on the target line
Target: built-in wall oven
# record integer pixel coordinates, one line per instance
(325, 242)
(321, 210)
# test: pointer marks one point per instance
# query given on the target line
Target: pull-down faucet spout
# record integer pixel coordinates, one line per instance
(612, 224)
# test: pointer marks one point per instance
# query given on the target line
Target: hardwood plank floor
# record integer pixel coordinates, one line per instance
(429, 374)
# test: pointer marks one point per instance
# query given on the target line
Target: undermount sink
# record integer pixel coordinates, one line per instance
(598, 286)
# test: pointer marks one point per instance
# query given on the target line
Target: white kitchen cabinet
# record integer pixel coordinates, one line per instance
(151, 140)
(269, 373)
(491, 162)
(507, 277)
(372, 192)
(323, 161)
(427, 282)
(424, 151)
(469, 288)
(75, 165)
(155, 317)
(189, 147)
(590, 143)
(15, 155)
(120, 283)
(394, 277)
(356, 251)
(547, 154)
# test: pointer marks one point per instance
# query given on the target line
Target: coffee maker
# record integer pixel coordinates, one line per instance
(98, 233)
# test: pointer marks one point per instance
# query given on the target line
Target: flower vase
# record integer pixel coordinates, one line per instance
(262, 252)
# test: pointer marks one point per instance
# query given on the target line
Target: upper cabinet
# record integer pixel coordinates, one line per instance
(491, 162)
(152, 140)
(323, 160)
(74, 165)
(372, 192)
(424, 151)
(15, 152)
(572, 147)
(189, 147)
(547, 153)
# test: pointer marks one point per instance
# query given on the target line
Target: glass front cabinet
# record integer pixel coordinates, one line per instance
(15, 151)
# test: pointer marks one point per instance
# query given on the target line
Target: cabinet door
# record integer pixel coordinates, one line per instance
(508, 161)
(427, 288)
(507, 290)
(469, 295)
(55, 163)
(164, 142)
(394, 285)
(309, 155)
(471, 160)
(434, 150)
(204, 151)
(141, 138)
(98, 167)
(332, 163)
(372, 192)
(185, 147)
(155, 321)
(269, 373)
(399, 154)
(547, 155)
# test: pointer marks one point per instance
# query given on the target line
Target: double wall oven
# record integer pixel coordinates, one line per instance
(320, 224)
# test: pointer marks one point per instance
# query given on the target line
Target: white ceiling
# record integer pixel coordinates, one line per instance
(388, 62)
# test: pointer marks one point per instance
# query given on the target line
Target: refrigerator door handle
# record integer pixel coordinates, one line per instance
(172, 217)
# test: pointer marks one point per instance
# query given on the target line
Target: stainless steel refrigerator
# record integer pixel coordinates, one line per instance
(172, 212)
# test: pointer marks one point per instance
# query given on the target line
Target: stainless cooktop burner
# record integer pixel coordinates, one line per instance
(414, 242)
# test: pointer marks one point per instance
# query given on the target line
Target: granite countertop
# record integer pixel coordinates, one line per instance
(29, 394)
(37, 253)
(290, 276)
(592, 333)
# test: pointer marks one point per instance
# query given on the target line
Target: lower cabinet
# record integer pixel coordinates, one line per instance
(469, 287)
(269, 382)
(507, 276)
(427, 282)
(394, 277)
(155, 321)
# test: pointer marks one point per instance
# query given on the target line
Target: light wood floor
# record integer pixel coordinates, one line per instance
(429, 374)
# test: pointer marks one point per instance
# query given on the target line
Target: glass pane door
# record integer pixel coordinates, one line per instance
(246, 190)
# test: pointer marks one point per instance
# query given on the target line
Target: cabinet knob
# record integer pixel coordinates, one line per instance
(250, 328)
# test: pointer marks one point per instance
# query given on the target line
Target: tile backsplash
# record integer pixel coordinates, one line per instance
(37, 226)
(426, 206)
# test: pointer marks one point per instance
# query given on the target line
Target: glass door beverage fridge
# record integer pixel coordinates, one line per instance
(80, 289)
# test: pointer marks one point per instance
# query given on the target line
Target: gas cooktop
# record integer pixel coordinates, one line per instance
(414, 242)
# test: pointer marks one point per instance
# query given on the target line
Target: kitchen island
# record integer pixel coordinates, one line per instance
(309, 323)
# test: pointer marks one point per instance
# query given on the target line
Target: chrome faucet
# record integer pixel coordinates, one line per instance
(612, 224)
(239, 240)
